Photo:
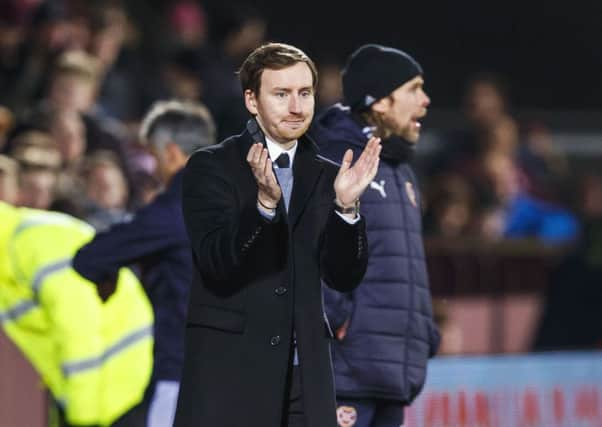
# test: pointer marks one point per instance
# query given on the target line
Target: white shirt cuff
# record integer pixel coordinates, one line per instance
(349, 220)
(269, 215)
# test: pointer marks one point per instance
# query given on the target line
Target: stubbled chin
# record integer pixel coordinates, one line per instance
(294, 132)
(411, 135)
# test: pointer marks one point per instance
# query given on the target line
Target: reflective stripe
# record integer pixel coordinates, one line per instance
(17, 311)
(43, 273)
(37, 220)
(72, 368)
(32, 222)
(49, 219)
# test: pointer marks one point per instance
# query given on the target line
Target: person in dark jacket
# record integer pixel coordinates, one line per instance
(157, 242)
(385, 329)
(263, 234)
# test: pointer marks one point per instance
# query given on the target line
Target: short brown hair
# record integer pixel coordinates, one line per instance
(273, 56)
(78, 64)
(35, 148)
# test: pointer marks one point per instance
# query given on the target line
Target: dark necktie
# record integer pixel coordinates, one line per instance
(284, 174)
(283, 161)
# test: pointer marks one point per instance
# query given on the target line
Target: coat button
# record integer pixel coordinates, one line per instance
(280, 290)
(275, 340)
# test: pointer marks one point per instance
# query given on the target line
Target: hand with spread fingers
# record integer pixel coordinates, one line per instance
(269, 192)
(351, 181)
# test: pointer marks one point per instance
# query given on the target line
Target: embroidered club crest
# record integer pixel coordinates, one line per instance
(346, 416)
(411, 193)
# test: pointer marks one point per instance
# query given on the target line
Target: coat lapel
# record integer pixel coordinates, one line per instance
(307, 170)
(306, 173)
(246, 181)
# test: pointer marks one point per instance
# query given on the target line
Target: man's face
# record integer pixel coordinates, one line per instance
(402, 110)
(484, 104)
(69, 133)
(36, 189)
(8, 187)
(163, 165)
(107, 187)
(71, 93)
(285, 105)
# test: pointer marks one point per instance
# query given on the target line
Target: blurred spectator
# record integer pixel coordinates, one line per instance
(74, 82)
(126, 84)
(156, 240)
(519, 215)
(39, 161)
(330, 87)
(12, 36)
(488, 128)
(37, 186)
(236, 29)
(106, 191)
(546, 167)
(450, 207)
(9, 173)
(50, 32)
(571, 317)
(188, 23)
(486, 100)
(6, 124)
(73, 87)
(452, 335)
(181, 74)
(68, 131)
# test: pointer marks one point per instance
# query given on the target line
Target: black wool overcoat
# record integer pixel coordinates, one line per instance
(255, 282)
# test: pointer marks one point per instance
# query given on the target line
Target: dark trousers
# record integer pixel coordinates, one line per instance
(293, 414)
(369, 413)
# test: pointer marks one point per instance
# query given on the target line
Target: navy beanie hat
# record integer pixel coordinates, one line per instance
(373, 72)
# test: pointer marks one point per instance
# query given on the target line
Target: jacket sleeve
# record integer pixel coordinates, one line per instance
(222, 232)
(122, 245)
(344, 253)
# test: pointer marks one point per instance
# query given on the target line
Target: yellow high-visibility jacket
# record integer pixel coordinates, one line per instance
(95, 357)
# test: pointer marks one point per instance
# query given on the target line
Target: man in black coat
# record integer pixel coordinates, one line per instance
(263, 234)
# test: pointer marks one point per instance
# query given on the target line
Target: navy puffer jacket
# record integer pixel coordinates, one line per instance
(391, 331)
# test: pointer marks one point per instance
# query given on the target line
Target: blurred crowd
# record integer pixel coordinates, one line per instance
(495, 177)
(77, 77)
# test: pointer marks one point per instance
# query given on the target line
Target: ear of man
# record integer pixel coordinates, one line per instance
(251, 101)
(382, 105)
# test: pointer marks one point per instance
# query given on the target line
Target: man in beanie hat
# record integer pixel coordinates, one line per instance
(384, 328)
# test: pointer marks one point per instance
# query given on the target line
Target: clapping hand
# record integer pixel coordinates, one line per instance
(351, 182)
(269, 192)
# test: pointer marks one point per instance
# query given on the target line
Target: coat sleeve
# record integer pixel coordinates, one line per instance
(124, 244)
(338, 306)
(344, 253)
(223, 233)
